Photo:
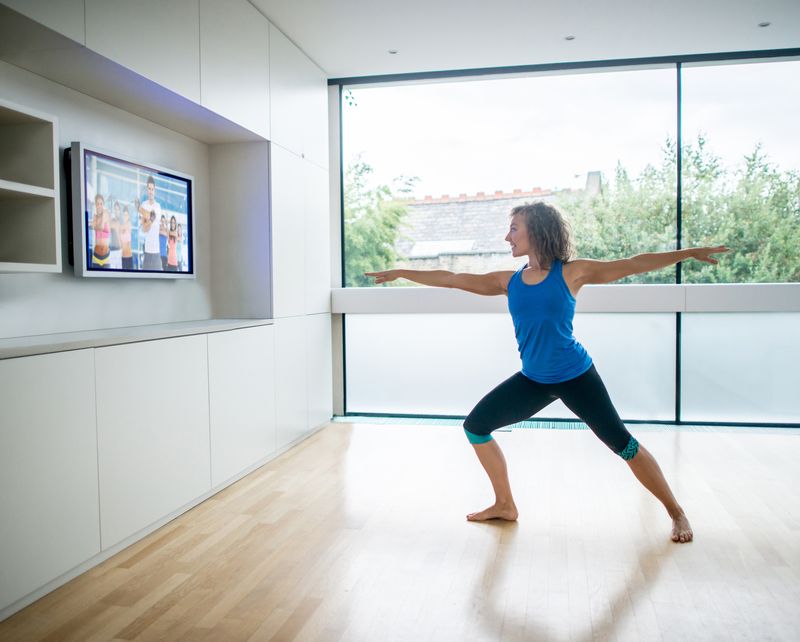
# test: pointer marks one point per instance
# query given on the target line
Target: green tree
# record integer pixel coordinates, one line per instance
(373, 222)
(753, 208)
(629, 216)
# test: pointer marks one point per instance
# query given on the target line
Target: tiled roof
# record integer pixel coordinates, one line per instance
(480, 222)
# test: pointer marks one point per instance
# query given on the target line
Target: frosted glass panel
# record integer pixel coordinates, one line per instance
(442, 364)
(741, 367)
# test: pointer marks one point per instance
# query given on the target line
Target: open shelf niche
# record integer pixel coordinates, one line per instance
(30, 221)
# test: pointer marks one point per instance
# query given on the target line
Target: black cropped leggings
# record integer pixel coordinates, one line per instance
(519, 398)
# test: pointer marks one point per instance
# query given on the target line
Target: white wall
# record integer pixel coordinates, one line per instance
(33, 304)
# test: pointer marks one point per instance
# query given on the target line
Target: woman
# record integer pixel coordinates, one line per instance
(115, 257)
(541, 300)
(172, 253)
(125, 238)
(162, 241)
(180, 248)
(101, 253)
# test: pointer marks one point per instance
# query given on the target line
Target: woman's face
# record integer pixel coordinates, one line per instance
(99, 205)
(518, 237)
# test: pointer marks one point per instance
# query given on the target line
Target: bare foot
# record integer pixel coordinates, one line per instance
(681, 530)
(507, 512)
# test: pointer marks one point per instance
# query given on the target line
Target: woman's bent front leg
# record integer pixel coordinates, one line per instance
(494, 463)
(513, 400)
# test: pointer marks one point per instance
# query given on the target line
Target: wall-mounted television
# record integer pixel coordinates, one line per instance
(130, 218)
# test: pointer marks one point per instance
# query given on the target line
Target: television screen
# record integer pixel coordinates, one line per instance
(135, 220)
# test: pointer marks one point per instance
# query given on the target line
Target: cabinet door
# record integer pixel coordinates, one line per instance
(234, 63)
(288, 233)
(291, 388)
(320, 370)
(153, 431)
(48, 470)
(315, 133)
(64, 16)
(316, 228)
(159, 40)
(241, 366)
(288, 71)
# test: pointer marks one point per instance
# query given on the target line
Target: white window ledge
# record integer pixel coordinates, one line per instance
(739, 297)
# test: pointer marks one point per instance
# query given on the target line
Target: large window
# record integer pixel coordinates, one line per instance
(639, 159)
(433, 170)
(741, 170)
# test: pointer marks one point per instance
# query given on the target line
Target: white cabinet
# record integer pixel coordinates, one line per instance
(30, 214)
(234, 63)
(241, 368)
(240, 229)
(64, 16)
(48, 470)
(300, 236)
(158, 40)
(317, 224)
(152, 428)
(298, 101)
(286, 92)
(288, 234)
(315, 113)
(291, 388)
(319, 369)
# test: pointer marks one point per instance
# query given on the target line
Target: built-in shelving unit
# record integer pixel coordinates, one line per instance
(30, 221)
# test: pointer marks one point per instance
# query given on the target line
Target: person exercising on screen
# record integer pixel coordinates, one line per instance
(150, 213)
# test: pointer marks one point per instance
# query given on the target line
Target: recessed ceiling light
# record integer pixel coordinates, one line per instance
(392, 51)
(764, 24)
(569, 37)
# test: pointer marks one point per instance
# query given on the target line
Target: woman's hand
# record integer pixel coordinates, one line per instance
(385, 276)
(704, 253)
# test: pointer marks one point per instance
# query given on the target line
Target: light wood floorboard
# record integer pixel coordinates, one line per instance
(359, 534)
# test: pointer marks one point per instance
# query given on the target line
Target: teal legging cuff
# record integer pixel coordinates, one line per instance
(477, 439)
(629, 452)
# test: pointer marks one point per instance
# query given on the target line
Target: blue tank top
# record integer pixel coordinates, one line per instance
(542, 315)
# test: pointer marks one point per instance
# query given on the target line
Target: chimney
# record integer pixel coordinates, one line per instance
(593, 183)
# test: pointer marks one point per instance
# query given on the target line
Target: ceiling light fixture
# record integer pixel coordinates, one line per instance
(569, 37)
(392, 51)
(764, 24)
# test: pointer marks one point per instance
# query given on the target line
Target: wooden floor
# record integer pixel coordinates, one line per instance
(359, 534)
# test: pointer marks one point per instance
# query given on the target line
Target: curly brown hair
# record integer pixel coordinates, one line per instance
(548, 232)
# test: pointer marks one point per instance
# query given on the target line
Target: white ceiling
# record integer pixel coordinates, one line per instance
(348, 38)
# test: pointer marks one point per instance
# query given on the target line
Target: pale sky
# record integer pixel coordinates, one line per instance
(548, 131)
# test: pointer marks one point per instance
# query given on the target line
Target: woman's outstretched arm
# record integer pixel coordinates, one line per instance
(490, 284)
(585, 271)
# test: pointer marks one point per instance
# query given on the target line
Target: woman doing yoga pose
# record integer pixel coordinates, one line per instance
(541, 300)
